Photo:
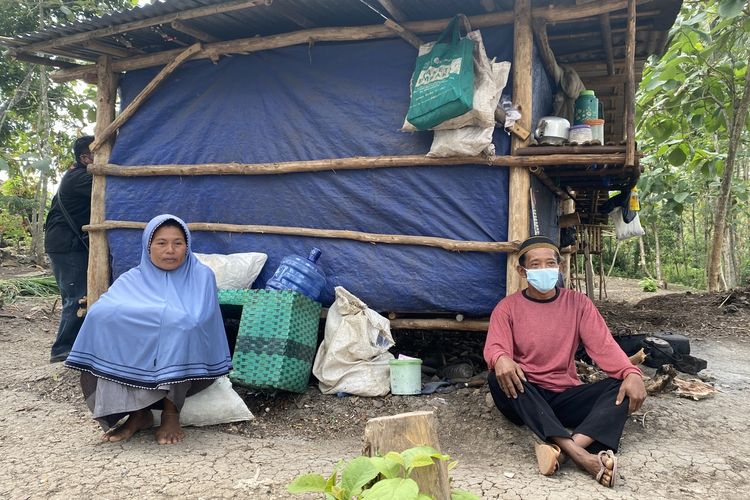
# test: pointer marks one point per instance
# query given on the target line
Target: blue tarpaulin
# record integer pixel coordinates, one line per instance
(307, 103)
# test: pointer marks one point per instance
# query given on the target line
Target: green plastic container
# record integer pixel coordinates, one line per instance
(587, 107)
(406, 376)
(277, 339)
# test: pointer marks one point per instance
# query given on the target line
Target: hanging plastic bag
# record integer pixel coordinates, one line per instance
(625, 230)
(353, 357)
(442, 85)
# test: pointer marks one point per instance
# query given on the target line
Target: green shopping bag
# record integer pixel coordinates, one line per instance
(442, 85)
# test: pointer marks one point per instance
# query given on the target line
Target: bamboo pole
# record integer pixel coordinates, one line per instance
(467, 325)
(98, 271)
(519, 181)
(375, 238)
(544, 179)
(338, 34)
(630, 158)
(353, 163)
(107, 133)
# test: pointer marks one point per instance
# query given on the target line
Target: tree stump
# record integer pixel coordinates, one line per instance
(407, 430)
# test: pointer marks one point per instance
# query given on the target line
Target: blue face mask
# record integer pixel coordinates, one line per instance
(543, 280)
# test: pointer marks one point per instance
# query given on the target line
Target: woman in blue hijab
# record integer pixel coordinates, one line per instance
(155, 337)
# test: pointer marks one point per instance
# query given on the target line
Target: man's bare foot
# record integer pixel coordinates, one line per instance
(137, 421)
(169, 432)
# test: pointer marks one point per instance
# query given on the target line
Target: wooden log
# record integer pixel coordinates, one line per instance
(630, 158)
(354, 163)
(55, 63)
(467, 325)
(144, 94)
(549, 184)
(105, 49)
(393, 11)
(391, 239)
(407, 35)
(519, 181)
(143, 23)
(606, 30)
(98, 271)
(407, 430)
(337, 34)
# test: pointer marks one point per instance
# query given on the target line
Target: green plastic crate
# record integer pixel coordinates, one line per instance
(276, 341)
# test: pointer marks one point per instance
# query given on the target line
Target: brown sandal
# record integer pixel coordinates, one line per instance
(547, 457)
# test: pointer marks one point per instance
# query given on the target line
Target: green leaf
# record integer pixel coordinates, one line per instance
(396, 457)
(4, 165)
(393, 489)
(421, 456)
(730, 8)
(677, 156)
(681, 197)
(463, 495)
(309, 483)
(43, 165)
(386, 467)
(357, 473)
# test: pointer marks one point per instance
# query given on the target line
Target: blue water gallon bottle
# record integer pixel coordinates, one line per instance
(299, 274)
(587, 107)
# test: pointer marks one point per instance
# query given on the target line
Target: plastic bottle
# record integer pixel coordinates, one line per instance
(634, 202)
(299, 274)
(587, 107)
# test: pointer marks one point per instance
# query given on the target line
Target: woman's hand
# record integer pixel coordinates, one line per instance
(633, 388)
(509, 376)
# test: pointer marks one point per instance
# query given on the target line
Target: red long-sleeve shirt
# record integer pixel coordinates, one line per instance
(543, 336)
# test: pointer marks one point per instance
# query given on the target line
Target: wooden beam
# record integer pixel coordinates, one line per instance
(407, 35)
(55, 63)
(199, 35)
(630, 159)
(519, 181)
(606, 30)
(105, 49)
(109, 131)
(341, 34)
(98, 270)
(375, 238)
(354, 163)
(545, 51)
(143, 23)
(393, 11)
(549, 183)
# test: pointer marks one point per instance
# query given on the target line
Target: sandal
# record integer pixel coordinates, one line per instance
(547, 457)
(613, 472)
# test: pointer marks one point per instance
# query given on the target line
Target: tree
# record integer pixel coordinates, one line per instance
(694, 118)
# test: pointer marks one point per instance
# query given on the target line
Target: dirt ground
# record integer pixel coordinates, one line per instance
(672, 448)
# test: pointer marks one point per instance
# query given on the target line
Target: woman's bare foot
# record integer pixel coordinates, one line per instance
(169, 432)
(137, 421)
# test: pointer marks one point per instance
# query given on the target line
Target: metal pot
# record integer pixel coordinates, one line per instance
(552, 130)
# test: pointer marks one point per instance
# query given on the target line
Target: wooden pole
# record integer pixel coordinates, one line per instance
(107, 133)
(519, 182)
(630, 159)
(336, 34)
(467, 325)
(392, 239)
(407, 430)
(106, 93)
(354, 163)
(606, 30)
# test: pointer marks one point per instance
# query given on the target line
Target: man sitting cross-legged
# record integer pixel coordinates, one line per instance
(530, 348)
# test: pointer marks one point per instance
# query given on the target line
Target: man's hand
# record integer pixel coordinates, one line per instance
(509, 376)
(633, 388)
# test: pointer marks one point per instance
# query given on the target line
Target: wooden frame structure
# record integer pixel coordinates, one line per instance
(121, 46)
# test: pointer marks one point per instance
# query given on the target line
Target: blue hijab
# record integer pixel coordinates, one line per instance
(155, 327)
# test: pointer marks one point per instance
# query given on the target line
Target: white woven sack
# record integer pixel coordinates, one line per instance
(234, 270)
(353, 357)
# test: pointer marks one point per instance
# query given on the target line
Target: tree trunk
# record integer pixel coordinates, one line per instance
(736, 126)
(657, 251)
(642, 258)
(44, 152)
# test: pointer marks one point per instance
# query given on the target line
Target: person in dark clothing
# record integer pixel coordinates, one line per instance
(67, 246)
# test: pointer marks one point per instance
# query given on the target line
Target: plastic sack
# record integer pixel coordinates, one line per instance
(216, 404)
(466, 141)
(234, 270)
(625, 230)
(442, 85)
(353, 357)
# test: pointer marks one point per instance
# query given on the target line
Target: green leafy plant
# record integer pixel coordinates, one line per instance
(648, 284)
(375, 478)
(39, 286)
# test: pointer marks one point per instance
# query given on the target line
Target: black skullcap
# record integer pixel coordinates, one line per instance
(81, 145)
(537, 242)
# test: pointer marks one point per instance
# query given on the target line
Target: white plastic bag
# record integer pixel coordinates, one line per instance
(353, 357)
(466, 141)
(625, 230)
(234, 270)
(490, 78)
(216, 404)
